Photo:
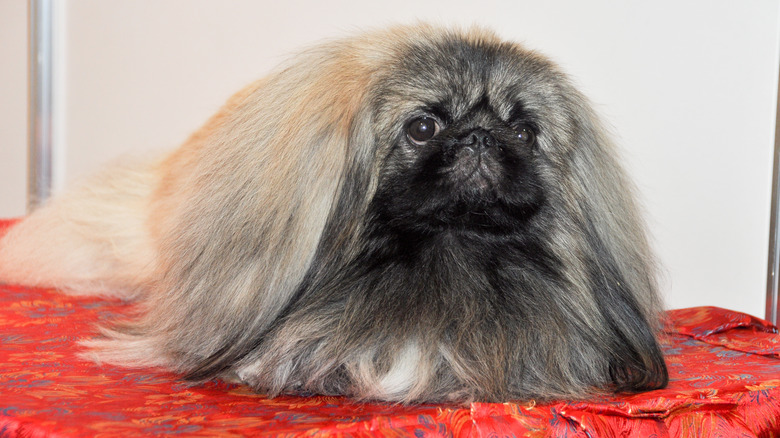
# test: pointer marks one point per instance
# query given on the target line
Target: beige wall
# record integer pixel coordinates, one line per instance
(688, 86)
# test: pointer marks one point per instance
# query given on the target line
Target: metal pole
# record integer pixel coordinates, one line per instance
(773, 271)
(41, 62)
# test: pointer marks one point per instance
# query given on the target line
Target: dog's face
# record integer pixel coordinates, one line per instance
(463, 138)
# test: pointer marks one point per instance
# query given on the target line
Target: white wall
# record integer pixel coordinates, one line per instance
(688, 86)
(13, 107)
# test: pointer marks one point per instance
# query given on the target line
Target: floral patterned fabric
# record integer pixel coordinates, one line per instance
(724, 368)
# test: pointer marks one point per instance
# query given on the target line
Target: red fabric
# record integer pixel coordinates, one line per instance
(724, 368)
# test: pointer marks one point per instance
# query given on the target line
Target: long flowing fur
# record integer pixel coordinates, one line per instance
(300, 243)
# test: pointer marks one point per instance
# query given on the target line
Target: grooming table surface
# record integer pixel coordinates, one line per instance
(724, 368)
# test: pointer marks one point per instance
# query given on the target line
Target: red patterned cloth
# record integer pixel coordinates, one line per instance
(724, 368)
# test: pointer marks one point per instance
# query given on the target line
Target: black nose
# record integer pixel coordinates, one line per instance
(478, 140)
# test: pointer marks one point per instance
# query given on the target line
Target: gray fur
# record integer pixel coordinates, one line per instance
(277, 237)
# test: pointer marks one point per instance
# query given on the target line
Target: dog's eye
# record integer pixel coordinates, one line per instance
(526, 135)
(422, 129)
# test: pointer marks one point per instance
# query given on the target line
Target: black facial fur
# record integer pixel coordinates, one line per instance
(476, 174)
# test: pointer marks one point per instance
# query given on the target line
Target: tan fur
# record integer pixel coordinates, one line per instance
(91, 240)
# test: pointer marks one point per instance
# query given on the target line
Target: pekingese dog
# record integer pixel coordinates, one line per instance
(409, 215)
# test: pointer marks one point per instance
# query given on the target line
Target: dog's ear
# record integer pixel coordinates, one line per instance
(242, 210)
(615, 260)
